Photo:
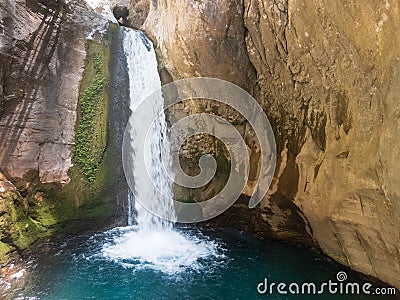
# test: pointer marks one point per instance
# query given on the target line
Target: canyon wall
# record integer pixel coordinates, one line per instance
(51, 180)
(327, 76)
(42, 60)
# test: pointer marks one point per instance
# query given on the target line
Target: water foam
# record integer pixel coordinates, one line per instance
(167, 251)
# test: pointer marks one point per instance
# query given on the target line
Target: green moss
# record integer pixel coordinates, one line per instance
(85, 202)
(45, 215)
(27, 231)
(4, 249)
(90, 141)
(20, 228)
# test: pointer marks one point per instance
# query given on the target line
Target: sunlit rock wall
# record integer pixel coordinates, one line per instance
(327, 76)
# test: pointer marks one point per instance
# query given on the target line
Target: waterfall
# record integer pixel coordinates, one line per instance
(149, 242)
(144, 80)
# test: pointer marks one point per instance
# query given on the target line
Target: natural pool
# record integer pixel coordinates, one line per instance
(233, 264)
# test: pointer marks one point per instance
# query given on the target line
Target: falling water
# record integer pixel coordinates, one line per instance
(145, 81)
(149, 241)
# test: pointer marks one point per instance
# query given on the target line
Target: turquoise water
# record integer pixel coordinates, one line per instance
(79, 270)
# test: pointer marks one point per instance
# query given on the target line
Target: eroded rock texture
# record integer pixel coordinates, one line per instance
(327, 74)
(42, 53)
(329, 78)
(138, 11)
(201, 38)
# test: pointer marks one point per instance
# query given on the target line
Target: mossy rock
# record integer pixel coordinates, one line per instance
(84, 203)
(5, 250)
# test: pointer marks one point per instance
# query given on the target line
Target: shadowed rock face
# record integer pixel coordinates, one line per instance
(328, 77)
(120, 11)
(42, 56)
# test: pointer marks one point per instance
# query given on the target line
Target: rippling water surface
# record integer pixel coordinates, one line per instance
(190, 265)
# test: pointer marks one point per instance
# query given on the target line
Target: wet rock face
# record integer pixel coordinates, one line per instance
(327, 74)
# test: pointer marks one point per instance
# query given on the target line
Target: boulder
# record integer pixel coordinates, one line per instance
(120, 11)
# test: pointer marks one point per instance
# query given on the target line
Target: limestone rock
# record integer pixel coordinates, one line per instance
(42, 54)
(201, 38)
(138, 12)
(5, 185)
(328, 77)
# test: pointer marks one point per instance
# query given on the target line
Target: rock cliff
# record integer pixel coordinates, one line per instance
(49, 75)
(327, 76)
(42, 60)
